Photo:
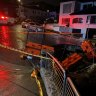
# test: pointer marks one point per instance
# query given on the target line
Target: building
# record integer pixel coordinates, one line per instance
(81, 21)
(32, 12)
(37, 11)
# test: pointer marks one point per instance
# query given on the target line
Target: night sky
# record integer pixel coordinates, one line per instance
(57, 2)
(52, 2)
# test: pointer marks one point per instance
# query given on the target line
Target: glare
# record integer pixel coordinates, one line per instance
(6, 17)
(2, 17)
(19, 0)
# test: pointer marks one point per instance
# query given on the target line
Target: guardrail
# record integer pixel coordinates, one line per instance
(54, 77)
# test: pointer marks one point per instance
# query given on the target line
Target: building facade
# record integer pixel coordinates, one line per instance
(81, 22)
(37, 11)
(31, 10)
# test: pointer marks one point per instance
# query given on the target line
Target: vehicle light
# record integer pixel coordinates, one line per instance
(2, 17)
(6, 17)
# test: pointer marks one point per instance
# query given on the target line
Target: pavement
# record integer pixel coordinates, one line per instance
(15, 80)
(15, 75)
(49, 83)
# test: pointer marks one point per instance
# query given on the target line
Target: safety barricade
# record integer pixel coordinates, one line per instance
(38, 47)
(33, 51)
(33, 45)
(47, 48)
(71, 60)
(87, 47)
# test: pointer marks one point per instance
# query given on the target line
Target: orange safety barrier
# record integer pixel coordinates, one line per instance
(34, 45)
(87, 47)
(40, 47)
(71, 60)
(47, 48)
(33, 51)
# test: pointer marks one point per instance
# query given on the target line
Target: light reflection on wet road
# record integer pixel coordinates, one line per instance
(15, 73)
(10, 36)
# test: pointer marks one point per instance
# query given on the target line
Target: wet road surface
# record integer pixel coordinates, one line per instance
(15, 73)
(10, 36)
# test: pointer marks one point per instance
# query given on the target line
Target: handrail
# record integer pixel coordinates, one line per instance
(68, 79)
(56, 61)
(58, 78)
(73, 87)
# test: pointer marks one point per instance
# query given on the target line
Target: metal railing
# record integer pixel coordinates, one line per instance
(54, 77)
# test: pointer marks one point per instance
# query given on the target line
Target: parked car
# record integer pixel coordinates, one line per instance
(34, 27)
(25, 23)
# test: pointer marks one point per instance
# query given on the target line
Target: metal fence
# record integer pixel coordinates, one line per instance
(54, 77)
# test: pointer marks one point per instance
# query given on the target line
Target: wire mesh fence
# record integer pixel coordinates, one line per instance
(54, 77)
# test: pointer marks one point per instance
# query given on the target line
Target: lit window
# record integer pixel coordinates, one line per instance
(77, 20)
(65, 20)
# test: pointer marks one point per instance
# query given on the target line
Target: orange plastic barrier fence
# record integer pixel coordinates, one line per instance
(39, 46)
(47, 48)
(87, 47)
(33, 51)
(71, 60)
(34, 45)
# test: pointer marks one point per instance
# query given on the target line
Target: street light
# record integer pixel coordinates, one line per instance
(19, 0)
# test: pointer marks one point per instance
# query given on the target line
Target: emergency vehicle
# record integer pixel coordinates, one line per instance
(5, 20)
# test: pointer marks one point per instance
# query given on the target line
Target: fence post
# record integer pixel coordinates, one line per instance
(64, 84)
